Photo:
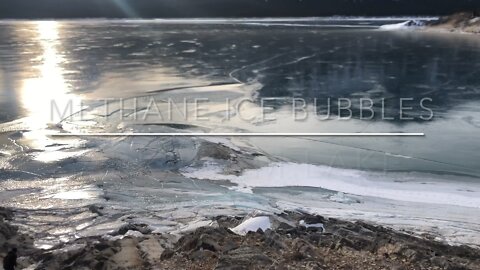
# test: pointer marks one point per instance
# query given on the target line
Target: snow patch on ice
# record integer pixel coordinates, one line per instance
(209, 171)
(51, 156)
(253, 225)
(316, 225)
(418, 187)
(195, 224)
(403, 25)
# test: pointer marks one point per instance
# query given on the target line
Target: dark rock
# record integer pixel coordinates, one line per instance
(228, 221)
(96, 210)
(310, 219)
(6, 214)
(101, 246)
(260, 231)
(244, 258)
(143, 228)
(201, 255)
(303, 249)
(283, 226)
(216, 151)
(274, 240)
(167, 254)
(213, 239)
(224, 266)
(208, 243)
(314, 229)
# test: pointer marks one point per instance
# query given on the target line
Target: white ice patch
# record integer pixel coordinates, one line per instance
(209, 171)
(404, 25)
(193, 225)
(340, 197)
(253, 225)
(418, 187)
(52, 156)
(242, 189)
(316, 225)
(134, 234)
(82, 194)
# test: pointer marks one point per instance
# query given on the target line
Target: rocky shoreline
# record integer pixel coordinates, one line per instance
(464, 22)
(293, 240)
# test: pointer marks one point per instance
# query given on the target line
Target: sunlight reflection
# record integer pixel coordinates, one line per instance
(38, 92)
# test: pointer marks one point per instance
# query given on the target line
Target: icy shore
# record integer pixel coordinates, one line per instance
(464, 22)
(291, 239)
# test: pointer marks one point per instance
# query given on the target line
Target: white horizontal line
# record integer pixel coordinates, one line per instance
(238, 135)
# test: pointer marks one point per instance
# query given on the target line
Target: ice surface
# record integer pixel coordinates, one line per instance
(422, 188)
(53, 182)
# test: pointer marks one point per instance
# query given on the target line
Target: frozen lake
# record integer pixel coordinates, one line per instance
(416, 81)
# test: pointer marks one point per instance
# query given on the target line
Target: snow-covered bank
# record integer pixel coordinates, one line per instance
(441, 205)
